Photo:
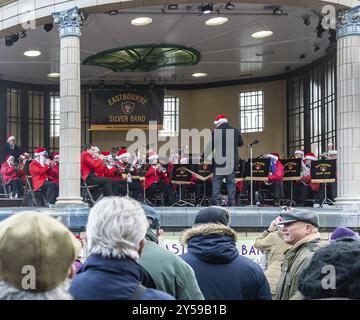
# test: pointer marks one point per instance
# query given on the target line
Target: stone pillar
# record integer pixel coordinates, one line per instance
(348, 107)
(69, 23)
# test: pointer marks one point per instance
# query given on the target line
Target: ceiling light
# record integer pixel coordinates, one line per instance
(278, 11)
(262, 34)
(206, 8)
(53, 75)
(48, 27)
(266, 53)
(172, 7)
(113, 12)
(229, 6)
(199, 75)
(22, 34)
(32, 53)
(8, 41)
(142, 21)
(216, 21)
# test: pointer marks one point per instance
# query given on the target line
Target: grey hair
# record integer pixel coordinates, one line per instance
(115, 227)
(61, 292)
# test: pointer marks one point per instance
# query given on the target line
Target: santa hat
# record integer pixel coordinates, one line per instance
(332, 152)
(220, 119)
(24, 156)
(184, 160)
(299, 152)
(274, 156)
(122, 154)
(152, 155)
(39, 152)
(106, 154)
(55, 155)
(10, 138)
(310, 156)
(9, 157)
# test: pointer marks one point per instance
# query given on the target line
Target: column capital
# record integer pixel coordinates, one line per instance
(348, 23)
(69, 22)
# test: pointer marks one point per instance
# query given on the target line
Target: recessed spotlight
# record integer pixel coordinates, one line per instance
(229, 6)
(32, 53)
(265, 53)
(206, 8)
(216, 21)
(172, 7)
(262, 34)
(53, 75)
(48, 27)
(142, 21)
(199, 75)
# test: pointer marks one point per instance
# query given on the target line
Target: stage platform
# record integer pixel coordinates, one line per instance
(177, 218)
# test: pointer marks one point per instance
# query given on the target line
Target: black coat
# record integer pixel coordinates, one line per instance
(16, 152)
(222, 273)
(225, 154)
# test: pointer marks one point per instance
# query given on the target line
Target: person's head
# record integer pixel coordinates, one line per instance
(36, 257)
(123, 155)
(24, 156)
(89, 148)
(299, 154)
(297, 224)
(309, 157)
(219, 120)
(153, 218)
(116, 228)
(336, 265)
(213, 214)
(56, 157)
(11, 140)
(153, 157)
(95, 152)
(10, 160)
(341, 233)
(40, 154)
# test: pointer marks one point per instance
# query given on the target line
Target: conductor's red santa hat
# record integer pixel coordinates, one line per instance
(39, 152)
(220, 119)
(310, 156)
(122, 154)
(152, 155)
(10, 138)
(106, 154)
(299, 152)
(274, 156)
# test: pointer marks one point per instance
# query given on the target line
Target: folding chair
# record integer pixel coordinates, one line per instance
(29, 189)
(5, 192)
(86, 192)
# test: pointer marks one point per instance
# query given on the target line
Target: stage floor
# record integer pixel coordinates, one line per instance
(177, 218)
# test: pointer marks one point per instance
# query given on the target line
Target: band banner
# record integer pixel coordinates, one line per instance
(126, 109)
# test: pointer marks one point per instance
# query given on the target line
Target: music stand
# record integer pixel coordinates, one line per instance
(142, 172)
(323, 171)
(181, 175)
(292, 171)
(203, 172)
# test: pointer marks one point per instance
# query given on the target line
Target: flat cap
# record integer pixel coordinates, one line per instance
(304, 215)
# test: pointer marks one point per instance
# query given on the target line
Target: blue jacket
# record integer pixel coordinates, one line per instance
(223, 274)
(111, 279)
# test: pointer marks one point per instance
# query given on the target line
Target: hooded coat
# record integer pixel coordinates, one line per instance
(169, 272)
(222, 273)
(112, 279)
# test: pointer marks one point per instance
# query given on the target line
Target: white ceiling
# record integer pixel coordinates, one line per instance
(228, 52)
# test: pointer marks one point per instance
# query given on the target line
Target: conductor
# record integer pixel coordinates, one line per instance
(225, 141)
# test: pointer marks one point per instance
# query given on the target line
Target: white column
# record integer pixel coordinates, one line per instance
(348, 107)
(69, 23)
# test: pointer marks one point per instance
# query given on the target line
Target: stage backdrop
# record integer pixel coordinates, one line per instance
(126, 108)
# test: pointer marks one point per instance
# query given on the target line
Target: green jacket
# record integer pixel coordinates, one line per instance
(296, 259)
(169, 272)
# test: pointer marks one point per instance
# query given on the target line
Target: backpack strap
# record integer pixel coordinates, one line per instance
(138, 292)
